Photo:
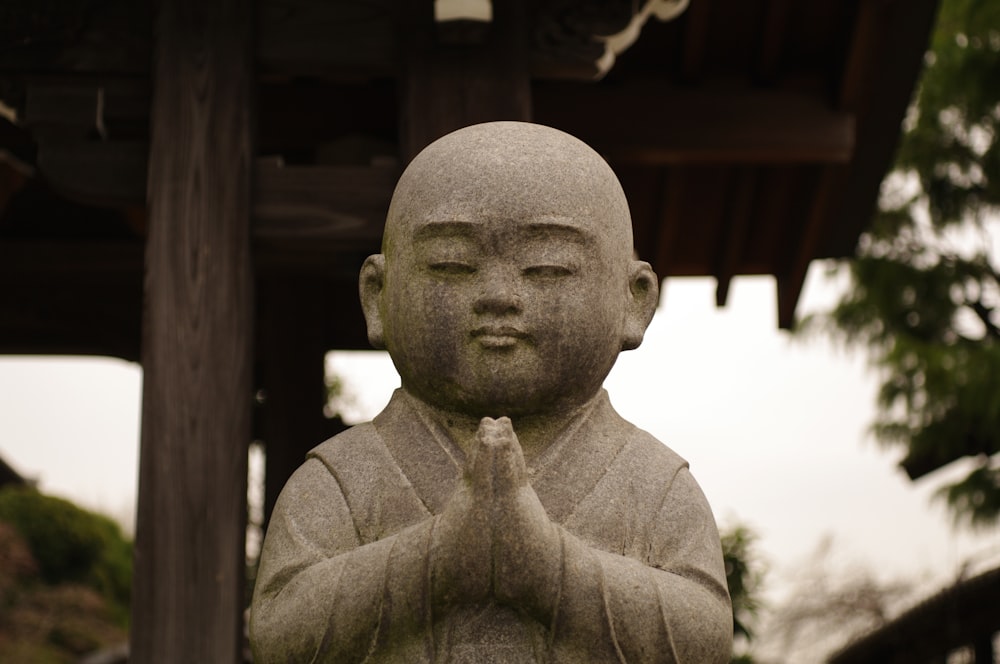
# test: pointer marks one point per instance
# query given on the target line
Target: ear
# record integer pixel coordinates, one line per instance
(644, 294)
(370, 285)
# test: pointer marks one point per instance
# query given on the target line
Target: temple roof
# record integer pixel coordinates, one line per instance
(750, 137)
(963, 614)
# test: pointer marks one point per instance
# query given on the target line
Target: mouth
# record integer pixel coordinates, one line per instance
(498, 336)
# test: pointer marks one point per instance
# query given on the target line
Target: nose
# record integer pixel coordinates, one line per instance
(498, 295)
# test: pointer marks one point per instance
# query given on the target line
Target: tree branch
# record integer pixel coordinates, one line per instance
(984, 313)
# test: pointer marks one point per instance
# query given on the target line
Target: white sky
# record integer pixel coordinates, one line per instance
(775, 429)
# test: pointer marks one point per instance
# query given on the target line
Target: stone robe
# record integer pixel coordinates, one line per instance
(344, 573)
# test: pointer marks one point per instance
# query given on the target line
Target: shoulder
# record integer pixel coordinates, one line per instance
(317, 476)
(656, 456)
(349, 444)
(325, 477)
(365, 444)
(642, 456)
(661, 477)
(629, 455)
(657, 464)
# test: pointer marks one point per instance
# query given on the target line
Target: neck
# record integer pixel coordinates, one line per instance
(535, 432)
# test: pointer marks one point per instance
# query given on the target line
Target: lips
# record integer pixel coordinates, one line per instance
(498, 336)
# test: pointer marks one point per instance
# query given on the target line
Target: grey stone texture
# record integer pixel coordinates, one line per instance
(498, 509)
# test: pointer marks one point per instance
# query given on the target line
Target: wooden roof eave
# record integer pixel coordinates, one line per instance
(957, 616)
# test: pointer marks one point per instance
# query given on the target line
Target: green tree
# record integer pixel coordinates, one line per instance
(744, 576)
(925, 297)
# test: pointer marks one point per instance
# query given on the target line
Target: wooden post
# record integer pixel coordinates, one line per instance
(445, 86)
(983, 648)
(291, 365)
(197, 338)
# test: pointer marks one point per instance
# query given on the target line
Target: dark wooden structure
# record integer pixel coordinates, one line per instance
(964, 615)
(9, 476)
(225, 168)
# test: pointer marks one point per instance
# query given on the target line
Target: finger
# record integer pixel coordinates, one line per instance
(495, 432)
(510, 470)
(481, 462)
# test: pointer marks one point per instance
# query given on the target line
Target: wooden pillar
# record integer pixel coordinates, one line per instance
(291, 365)
(197, 338)
(983, 649)
(448, 82)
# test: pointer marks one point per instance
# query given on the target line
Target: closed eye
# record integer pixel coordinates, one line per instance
(548, 271)
(451, 267)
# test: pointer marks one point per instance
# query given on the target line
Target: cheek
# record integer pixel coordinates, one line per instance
(586, 309)
(418, 302)
(426, 323)
(587, 326)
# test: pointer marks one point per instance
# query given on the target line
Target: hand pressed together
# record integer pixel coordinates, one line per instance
(494, 538)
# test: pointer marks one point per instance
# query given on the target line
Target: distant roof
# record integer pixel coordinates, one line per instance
(9, 476)
(960, 615)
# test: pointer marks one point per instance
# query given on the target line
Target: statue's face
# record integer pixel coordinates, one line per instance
(508, 285)
(504, 293)
(500, 315)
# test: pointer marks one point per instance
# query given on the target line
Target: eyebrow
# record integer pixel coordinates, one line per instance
(450, 228)
(567, 231)
(542, 228)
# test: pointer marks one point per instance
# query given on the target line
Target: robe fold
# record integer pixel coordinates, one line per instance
(344, 573)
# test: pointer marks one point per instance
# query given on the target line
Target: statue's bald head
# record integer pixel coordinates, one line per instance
(519, 227)
(524, 169)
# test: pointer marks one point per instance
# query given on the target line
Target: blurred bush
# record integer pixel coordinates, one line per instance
(71, 545)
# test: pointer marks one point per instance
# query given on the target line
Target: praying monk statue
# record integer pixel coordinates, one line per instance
(498, 509)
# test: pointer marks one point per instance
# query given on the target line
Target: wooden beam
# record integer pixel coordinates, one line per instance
(771, 41)
(696, 19)
(866, 38)
(445, 86)
(309, 38)
(74, 259)
(321, 207)
(347, 40)
(665, 125)
(853, 86)
(308, 208)
(902, 38)
(669, 221)
(107, 105)
(652, 123)
(97, 172)
(793, 277)
(85, 298)
(188, 597)
(73, 298)
(107, 36)
(733, 239)
(841, 190)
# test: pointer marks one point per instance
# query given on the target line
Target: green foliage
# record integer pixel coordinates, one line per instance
(952, 145)
(71, 545)
(339, 398)
(744, 576)
(926, 289)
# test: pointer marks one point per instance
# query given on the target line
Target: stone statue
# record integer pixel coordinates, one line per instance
(498, 509)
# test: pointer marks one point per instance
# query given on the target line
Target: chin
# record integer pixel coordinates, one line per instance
(512, 402)
(486, 402)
